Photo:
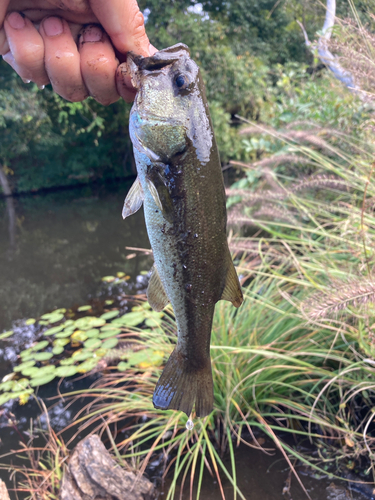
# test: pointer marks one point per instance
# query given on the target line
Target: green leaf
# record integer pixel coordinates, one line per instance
(55, 318)
(66, 362)
(84, 308)
(88, 322)
(92, 333)
(58, 311)
(92, 343)
(57, 350)
(4, 398)
(110, 315)
(31, 371)
(122, 366)
(7, 386)
(60, 342)
(42, 356)
(110, 343)
(40, 345)
(26, 352)
(66, 371)
(82, 355)
(5, 335)
(108, 279)
(30, 321)
(87, 366)
(66, 333)
(78, 336)
(109, 333)
(110, 302)
(45, 370)
(26, 364)
(36, 382)
(132, 319)
(53, 330)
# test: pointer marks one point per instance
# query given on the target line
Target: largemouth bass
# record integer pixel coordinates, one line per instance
(180, 184)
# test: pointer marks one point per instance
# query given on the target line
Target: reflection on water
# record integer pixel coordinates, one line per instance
(55, 248)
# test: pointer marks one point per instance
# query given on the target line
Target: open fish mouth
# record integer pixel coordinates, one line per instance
(159, 60)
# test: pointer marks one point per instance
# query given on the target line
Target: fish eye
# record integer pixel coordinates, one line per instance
(181, 81)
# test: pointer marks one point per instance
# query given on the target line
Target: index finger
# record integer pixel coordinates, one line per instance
(124, 23)
(3, 40)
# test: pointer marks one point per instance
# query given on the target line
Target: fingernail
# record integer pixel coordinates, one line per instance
(16, 21)
(25, 80)
(53, 26)
(92, 34)
(9, 58)
(41, 87)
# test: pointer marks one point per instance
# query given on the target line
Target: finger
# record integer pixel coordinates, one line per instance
(62, 60)
(124, 23)
(4, 48)
(27, 48)
(124, 88)
(98, 64)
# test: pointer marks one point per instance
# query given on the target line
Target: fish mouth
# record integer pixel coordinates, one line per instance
(159, 60)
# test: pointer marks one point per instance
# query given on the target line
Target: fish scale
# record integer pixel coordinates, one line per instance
(181, 186)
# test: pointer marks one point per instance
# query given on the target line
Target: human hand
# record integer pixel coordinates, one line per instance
(76, 45)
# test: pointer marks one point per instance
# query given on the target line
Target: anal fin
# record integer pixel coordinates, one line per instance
(133, 200)
(181, 385)
(232, 290)
(156, 296)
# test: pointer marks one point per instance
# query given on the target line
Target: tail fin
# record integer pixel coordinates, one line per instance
(181, 385)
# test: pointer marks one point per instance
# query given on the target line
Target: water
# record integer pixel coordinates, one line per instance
(54, 250)
(56, 247)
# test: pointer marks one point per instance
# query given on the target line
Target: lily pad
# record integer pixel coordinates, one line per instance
(45, 370)
(36, 382)
(110, 315)
(53, 317)
(7, 334)
(30, 321)
(94, 332)
(5, 397)
(122, 366)
(58, 350)
(110, 343)
(26, 364)
(108, 279)
(64, 334)
(84, 308)
(110, 302)
(88, 322)
(87, 365)
(30, 371)
(7, 386)
(60, 342)
(99, 353)
(67, 361)
(132, 319)
(40, 345)
(78, 336)
(66, 371)
(82, 355)
(42, 356)
(53, 330)
(92, 343)
(26, 352)
(57, 311)
(109, 333)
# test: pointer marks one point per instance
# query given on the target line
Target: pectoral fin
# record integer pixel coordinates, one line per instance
(160, 194)
(133, 200)
(232, 290)
(157, 298)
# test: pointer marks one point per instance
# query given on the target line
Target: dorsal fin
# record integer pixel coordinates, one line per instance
(133, 200)
(157, 298)
(232, 290)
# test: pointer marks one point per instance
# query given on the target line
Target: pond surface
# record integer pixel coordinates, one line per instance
(54, 250)
(56, 247)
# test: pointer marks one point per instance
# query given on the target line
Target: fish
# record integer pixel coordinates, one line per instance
(180, 185)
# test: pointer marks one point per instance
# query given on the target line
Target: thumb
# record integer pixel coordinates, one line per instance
(124, 23)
